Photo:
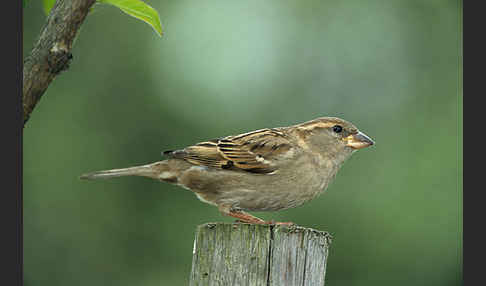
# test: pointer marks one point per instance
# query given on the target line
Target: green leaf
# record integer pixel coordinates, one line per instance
(48, 4)
(139, 10)
(24, 2)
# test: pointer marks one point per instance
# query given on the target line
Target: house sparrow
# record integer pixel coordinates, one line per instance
(264, 170)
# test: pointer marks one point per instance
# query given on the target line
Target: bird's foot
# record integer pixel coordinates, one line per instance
(272, 222)
(288, 223)
(240, 215)
(243, 217)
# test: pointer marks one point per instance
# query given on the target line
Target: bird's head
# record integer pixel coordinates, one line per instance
(332, 136)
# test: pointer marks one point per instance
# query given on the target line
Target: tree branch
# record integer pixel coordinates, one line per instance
(52, 52)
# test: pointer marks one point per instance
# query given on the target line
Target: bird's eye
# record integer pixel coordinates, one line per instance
(337, 128)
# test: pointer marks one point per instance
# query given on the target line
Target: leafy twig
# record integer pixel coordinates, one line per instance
(52, 52)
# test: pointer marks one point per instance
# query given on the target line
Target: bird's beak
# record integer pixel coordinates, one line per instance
(358, 141)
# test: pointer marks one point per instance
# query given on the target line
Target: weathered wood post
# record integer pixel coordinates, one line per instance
(248, 254)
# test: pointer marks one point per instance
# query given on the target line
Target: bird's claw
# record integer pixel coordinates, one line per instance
(271, 222)
(289, 223)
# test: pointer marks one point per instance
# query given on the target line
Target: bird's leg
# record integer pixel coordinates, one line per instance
(287, 223)
(240, 215)
(246, 217)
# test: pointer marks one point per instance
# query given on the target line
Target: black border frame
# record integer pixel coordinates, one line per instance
(11, 120)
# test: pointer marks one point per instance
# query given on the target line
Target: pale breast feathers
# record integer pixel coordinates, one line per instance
(256, 152)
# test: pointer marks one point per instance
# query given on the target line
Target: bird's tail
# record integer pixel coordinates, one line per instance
(150, 170)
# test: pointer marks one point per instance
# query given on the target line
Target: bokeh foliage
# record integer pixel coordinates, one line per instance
(392, 68)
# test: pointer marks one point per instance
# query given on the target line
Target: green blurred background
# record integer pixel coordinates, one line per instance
(391, 67)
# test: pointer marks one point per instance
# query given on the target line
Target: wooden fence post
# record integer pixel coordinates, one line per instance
(248, 254)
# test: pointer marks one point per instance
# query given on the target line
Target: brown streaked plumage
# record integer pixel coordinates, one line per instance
(264, 170)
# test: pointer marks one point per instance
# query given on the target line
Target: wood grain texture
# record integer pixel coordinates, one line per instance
(247, 254)
(52, 52)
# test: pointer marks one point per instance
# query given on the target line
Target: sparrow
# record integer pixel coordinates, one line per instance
(268, 169)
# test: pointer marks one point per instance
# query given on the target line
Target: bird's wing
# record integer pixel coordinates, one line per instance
(256, 152)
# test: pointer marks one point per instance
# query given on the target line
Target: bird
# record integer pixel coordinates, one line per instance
(269, 169)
